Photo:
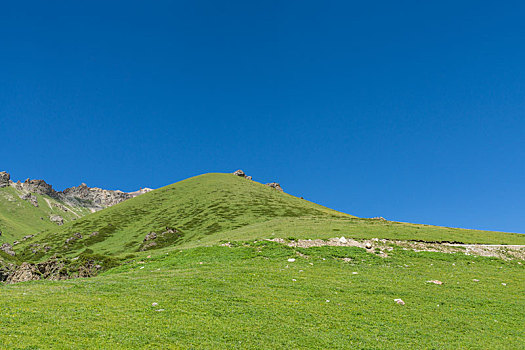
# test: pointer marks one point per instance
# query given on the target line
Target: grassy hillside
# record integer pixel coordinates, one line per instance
(211, 208)
(19, 218)
(194, 291)
(197, 208)
(250, 296)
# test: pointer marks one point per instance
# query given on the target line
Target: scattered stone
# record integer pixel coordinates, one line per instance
(15, 243)
(475, 280)
(27, 237)
(94, 233)
(7, 248)
(154, 304)
(291, 260)
(379, 218)
(368, 245)
(78, 235)
(343, 240)
(399, 301)
(150, 236)
(504, 284)
(239, 173)
(275, 185)
(354, 273)
(57, 219)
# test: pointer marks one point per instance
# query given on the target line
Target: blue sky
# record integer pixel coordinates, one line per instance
(414, 111)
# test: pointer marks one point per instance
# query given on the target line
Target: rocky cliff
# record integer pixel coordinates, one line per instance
(91, 198)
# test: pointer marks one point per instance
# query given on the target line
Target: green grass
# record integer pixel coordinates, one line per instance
(19, 218)
(245, 297)
(210, 208)
(249, 295)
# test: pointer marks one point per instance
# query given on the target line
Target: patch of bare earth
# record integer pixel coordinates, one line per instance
(383, 246)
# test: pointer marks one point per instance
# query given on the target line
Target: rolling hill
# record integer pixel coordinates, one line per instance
(237, 264)
(211, 208)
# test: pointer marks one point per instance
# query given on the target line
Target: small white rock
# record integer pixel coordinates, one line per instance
(354, 273)
(368, 245)
(399, 301)
(327, 300)
(291, 260)
(154, 304)
(504, 284)
(475, 280)
(293, 279)
(342, 240)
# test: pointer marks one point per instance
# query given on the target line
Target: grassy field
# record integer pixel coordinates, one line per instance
(195, 291)
(213, 207)
(250, 296)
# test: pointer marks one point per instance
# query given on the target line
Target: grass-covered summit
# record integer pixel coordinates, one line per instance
(215, 207)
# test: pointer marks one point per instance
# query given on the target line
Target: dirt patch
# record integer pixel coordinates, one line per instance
(383, 246)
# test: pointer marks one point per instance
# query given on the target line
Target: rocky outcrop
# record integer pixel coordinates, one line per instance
(152, 239)
(94, 198)
(31, 198)
(275, 185)
(53, 269)
(38, 186)
(7, 248)
(57, 219)
(241, 173)
(5, 179)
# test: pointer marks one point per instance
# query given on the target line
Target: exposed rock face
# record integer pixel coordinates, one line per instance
(7, 248)
(31, 198)
(57, 219)
(276, 186)
(5, 179)
(39, 187)
(94, 198)
(53, 269)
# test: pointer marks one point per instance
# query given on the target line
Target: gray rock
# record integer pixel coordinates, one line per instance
(57, 219)
(4, 179)
(239, 173)
(276, 186)
(7, 248)
(31, 198)
(150, 236)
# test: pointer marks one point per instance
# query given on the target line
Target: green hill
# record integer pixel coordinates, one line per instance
(210, 208)
(19, 218)
(211, 281)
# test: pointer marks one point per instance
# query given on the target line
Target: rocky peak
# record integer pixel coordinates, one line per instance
(97, 197)
(92, 198)
(5, 179)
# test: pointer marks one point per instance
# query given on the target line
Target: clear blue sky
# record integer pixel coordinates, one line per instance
(414, 111)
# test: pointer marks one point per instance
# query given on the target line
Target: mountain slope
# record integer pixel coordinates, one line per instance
(210, 208)
(185, 211)
(29, 207)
